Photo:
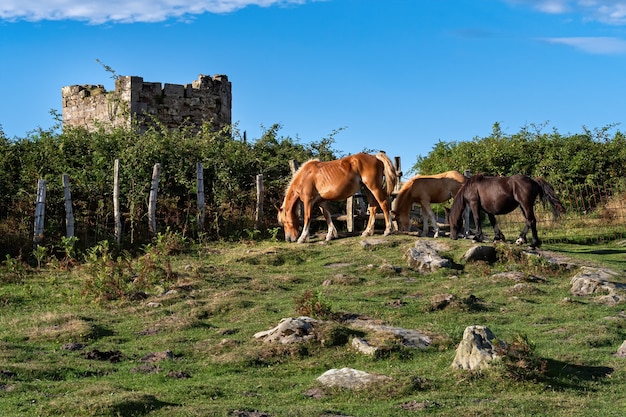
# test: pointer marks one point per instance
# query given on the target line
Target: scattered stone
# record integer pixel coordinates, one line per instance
(419, 405)
(158, 356)
(112, 356)
(72, 346)
(146, 369)
(523, 288)
(154, 304)
(315, 393)
(425, 257)
(481, 253)
(596, 281)
(148, 332)
(476, 350)
(243, 413)
(621, 352)
(371, 243)
(290, 330)
(410, 338)
(350, 378)
(178, 375)
(441, 301)
(362, 346)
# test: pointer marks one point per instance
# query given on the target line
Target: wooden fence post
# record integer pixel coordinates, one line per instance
(398, 166)
(154, 189)
(260, 189)
(116, 202)
(69, 212)
(201, 203)
(350, 214)
(40, 209)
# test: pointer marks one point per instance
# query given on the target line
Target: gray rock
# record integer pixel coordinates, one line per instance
(410, 338)
(596, 281)
(481, 253)
(289, 330)
(477, 349)
(350, 378)
(425, 257)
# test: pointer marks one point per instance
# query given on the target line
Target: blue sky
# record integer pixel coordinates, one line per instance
(396, 75)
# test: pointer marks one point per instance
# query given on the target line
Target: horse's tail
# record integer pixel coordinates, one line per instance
(548, 196)
(391, 176)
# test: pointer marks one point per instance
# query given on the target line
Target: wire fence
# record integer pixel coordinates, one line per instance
(594, 213)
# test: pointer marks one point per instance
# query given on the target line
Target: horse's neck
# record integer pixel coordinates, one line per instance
(291, 198)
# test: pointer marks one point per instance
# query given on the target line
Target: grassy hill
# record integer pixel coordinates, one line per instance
(170, 333)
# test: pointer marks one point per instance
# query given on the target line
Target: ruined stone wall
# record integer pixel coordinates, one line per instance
(207, 99)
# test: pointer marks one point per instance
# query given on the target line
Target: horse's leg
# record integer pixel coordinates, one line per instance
(332, 231)
(479, 237)
(498, 235)
(531, 223)
(378, 196)
(369, 230)
(304, 236)
(429, 213)
(466, 221)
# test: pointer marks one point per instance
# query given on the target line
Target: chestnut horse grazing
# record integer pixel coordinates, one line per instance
(502, 195)
(424, 190)
(317, 182)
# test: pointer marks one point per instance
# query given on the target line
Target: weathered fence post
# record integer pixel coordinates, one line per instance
(40, 209)
(116, 202)
(201, 204)
(350, 214)
(69, 212)
(398, 166)
(260, 189)
(154, 189)
(466, 212)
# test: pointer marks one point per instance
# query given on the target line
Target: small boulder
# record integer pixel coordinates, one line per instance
(477, 349)
(481, 253)
(425, 257)
(350, 378)
(290, 330)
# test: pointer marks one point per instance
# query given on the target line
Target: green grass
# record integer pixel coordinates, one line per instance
(224, 293)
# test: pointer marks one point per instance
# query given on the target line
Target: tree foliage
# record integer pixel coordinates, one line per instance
(231, 164)
(590, 157)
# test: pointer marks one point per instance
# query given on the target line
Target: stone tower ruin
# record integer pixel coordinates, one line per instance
(138, 103)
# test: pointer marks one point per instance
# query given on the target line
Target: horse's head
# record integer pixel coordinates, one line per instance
(454, 216)
(290, 222)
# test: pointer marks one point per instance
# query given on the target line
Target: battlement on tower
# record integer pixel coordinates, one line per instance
(136, 102)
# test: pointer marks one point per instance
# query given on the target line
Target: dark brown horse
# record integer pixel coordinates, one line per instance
(317, 182)
(502, 195)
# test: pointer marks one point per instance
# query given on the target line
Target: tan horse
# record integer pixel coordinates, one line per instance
(317, 182)
(425, 190)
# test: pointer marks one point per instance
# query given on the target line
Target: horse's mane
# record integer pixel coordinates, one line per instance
(299, 172)
(473, 179)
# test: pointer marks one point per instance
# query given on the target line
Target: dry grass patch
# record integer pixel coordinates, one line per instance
(62, 327)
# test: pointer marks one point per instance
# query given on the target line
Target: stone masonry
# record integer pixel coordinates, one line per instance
(207, 99)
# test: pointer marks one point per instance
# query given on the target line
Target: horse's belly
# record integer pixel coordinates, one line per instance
(501, 208)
